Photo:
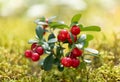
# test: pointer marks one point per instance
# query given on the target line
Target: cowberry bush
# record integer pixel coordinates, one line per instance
(63, 46)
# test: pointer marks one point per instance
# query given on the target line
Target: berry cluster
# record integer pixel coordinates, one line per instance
(54, 45)
(64, 35)
(72, 58)
(35, 52)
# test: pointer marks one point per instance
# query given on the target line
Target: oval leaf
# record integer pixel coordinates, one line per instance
(76, 18)
(53, 40)
(82, 38)
(87, 60)
(39, 31)
(91, 28)
(32, 41)
(89, 37)
(51, 19)
(92, 50)
(58, 25)
(47, 64)
(51, 36)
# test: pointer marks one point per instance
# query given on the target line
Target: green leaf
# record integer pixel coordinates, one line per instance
(87, 60)
(89, 37)
(91, 28)
(79, 45)
(45, 46)
(82, 38)
(42, 19)
(39, 31)
(76, 18)
(56, 61)
(47, 65)
(58, 25)
(92, 50)
(59, 51)
(51, 19)
(93, 54)
(51, 36)
(32, 41)
(82, 65)
(53, 40)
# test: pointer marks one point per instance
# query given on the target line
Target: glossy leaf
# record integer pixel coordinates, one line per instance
(58, 25)
(89, 37)
(47, 65)
(39, 31)
(87, 60)
(53, 40)
(79, 45)
(76, 18)
(51, 36)
(82, 38)
(59, 51)
(92, 50)
(51, 19)
(91, 28)
(32, 41)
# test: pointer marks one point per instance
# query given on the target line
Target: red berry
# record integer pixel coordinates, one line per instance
(39, 50)
(66, 61)
(33, 46)
(75, 30)
(76, 52)
(62, 36)
(70, 39)
(35, 57)
(28, 53)
(75, 62)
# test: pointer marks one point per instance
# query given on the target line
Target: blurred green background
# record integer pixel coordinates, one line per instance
(17, 27)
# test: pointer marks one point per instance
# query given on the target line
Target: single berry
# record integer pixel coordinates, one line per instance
(76, 52)
(75, 30)
(35, 57)
(33, 46)
(66, 61)
(62, 36)
(28, 53)
(75, 62)
(39, 50)
(70, 39)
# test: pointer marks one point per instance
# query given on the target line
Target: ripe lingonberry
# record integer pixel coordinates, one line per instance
(70, 39)
(62, 36)
(39, 50)
(35, 57)
(28, 53)
(75, 30)
(66, 61)
(75, 62)
(33, 46)
(76, 52)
